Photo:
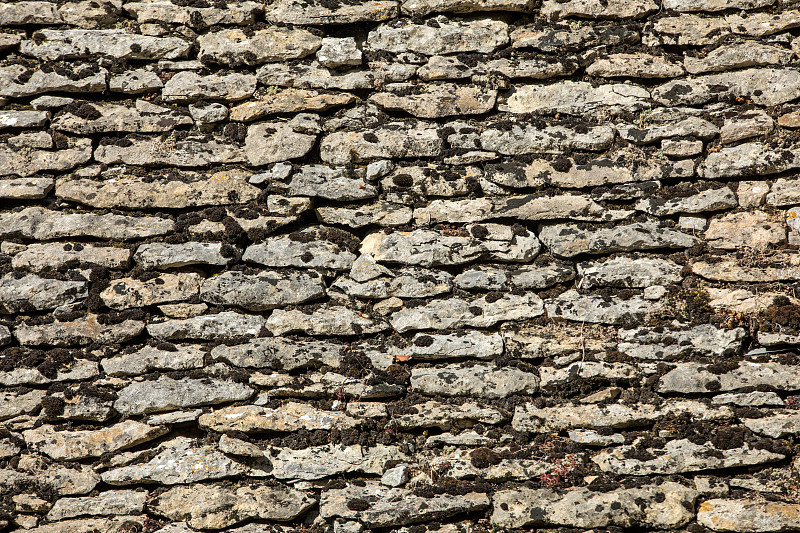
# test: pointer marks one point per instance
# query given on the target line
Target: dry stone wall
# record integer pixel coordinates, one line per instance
(424, 265)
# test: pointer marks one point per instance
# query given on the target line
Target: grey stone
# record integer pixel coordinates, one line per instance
(553, 379)
(59, 255)
(135, 82)
(384, 214)
(709, 200)
(574, 97)
(30, 292)
(22, 119)
(25, 188)
(329, 320)
(714, 5)
(649, 133)
(121, 118)
(314, 77)
(221, 506)
(191, 152)
(464, 344)
(296, 12)
(777, 425)
(703, 340)
(64, 480)
(41, 82)
(615, 9)
(597, 309)
(233, 47)
(266, 290)
(160, 255)
(628, 272)
(431, 248)
(225, 324)
(166, 394)
(747, 515)
(781, 267)
(39, 139)
(17, 403)
(636, 65)
(748, 159)
(406, 283)
(189, 86)
(550, 140)
(339, 52)
(21, 13)
(27, 162)
(688, 29)
(90, 13)
(341, 148)
(393, 506)
(737, 230)
(696, 378)
(291, 416)
(484, 36)
(313, 247)
(615, 415)
(426, 7)
(436, 101)
(208, 114)
(746, 125)
(290, 101)
(147, 359)
(481, 381)
(584, 508)
(406, 184)
(751, 54)
(76, 445)
(681, 455)
(396, 477)
(79, 369)
(317, 462)
(125, 293)
(326, 182)
(68, 44)
(570, 40)
(593, 438)
(273, 142)
(81, 332)
(748, 399)
(112, 502)
(566, 241)
(784, 192)
(764, 86)
(763, 24)
(238, 13)
(280, 354)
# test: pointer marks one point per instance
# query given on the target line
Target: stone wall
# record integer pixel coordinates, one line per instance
(423, 265)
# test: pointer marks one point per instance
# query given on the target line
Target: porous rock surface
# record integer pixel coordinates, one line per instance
(353, 266)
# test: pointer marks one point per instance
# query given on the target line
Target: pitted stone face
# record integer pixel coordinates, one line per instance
(410, 265)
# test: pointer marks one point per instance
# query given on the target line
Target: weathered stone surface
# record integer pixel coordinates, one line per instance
(637, 65)
(38, 81)
(437, 101)
(574, 97)
(650, 133)
(406, 283)
(291, 416)
(79, 369)
(764, 86)
(483, 381)
(263, 291)
(749, 159)
(552, 379)
(696, 378)
(550, 140)
(118, 118)
(159, 255)
(752, 54)
(393, 507)
(156, 152)
(167, 394)
(430, 248)
(225, 324)
(185, 357)
(596, 309)
(296, 12)
(747, 515)
(736, 230)
(112, 502)
(27, 162)
(289, 101)
(426, 7)
(709, 200)
(763, 24)
(681, 455)
(65, 480)
(776, 426)
(628, 272)
(272, 142)
(315, 247)
(784, 192)
(326, 182)
(81, 331)
(339, 52)
(59, 255)
(220, 506)
(781, 267)
(714, 5)
(380, 213)
(280, 354)
(20, 13)
(446, 416)
(128, 292)
(25, 188)
(189, 86)
(583, 508)
(484, 36)
(565, 240)
(329, 320)
(318, 462)
(67, 44)
(29, 293)
(239, 13)
(314, 77)
(235, 48)
(456, 312)
(571, 40)
(14, 404)
(615, 415)
(22, 119)
(702, 340)
(75, 445)
(615, 9)
(464, 344)
(341, 148)
(688, 30)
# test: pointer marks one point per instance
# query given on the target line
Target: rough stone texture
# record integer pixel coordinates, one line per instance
(399, 265)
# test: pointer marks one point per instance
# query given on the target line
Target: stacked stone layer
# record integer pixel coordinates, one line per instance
(421, 265)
